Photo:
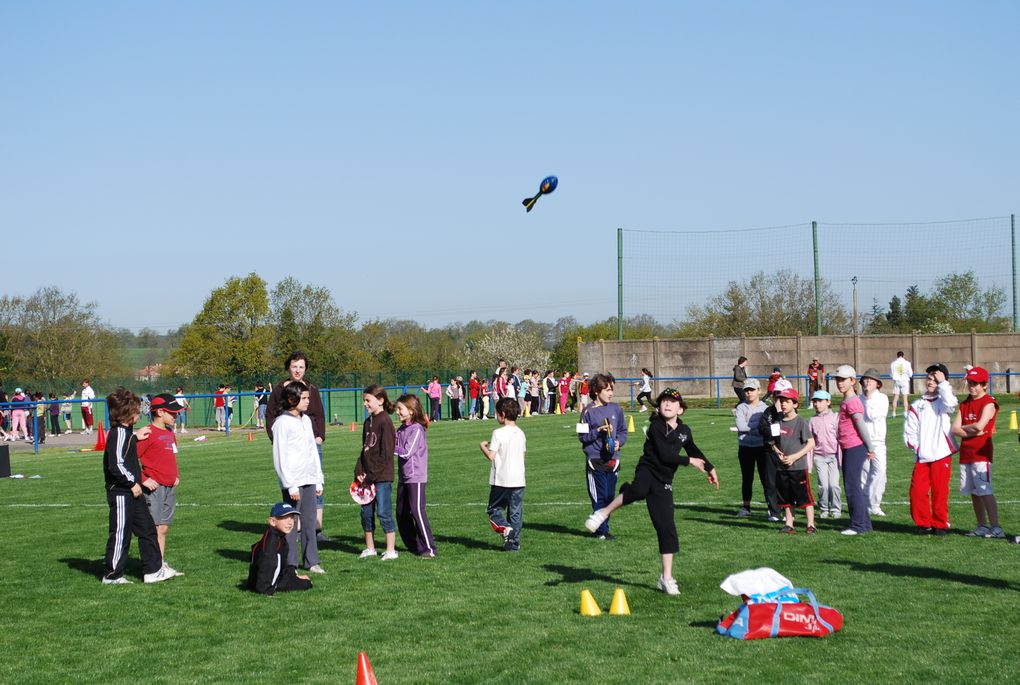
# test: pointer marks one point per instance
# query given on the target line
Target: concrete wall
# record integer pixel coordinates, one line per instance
(714, 357)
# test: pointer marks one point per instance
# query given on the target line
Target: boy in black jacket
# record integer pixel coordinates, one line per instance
(268, 572)
(128, 511)
(653, 478)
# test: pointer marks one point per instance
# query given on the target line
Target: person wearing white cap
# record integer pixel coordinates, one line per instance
(770, 428)
(876, 408)
(901, 372)
(855, 444)
(750, 444)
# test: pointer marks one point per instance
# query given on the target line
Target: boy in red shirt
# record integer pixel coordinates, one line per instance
(158, 457)
(974, 424)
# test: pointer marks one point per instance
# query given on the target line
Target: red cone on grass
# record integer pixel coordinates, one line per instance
(251, 436)
(365, 674)
(100, 439)
(352, 426)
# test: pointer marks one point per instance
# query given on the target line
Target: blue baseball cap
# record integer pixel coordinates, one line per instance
(821, 395)
(281, 509)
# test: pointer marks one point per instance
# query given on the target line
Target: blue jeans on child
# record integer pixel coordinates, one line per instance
(512, 501)
(381, 506)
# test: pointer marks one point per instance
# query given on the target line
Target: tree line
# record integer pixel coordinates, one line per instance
(245, 327)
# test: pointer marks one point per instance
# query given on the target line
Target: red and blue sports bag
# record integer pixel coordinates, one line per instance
(780, 614)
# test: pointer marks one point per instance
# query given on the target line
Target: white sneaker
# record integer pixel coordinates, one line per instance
(744, 511)
(668, 585)
(116, 581)
(388, 556)
(184, 430)
(849, 531)
(316, 569)
(507, 532)
(774, 519)
(596, 519)
(643, 408)
(877, 511)
(172, 572)
(979, 532)
(157, 577)
(366, 553)
(996, 532)
(823, 515)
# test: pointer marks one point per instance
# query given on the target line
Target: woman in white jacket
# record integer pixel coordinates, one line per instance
(297, 465)
(928, 432)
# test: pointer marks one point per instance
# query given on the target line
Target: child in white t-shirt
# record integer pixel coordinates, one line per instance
(506, 451)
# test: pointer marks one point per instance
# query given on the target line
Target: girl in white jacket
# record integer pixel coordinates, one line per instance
(928, 432)
(297, 465)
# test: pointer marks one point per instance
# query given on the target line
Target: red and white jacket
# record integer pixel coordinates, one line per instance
(928, 427)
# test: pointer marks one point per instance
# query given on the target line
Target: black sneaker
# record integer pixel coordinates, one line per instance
(605, 536)
(322, 537)
(939, 532)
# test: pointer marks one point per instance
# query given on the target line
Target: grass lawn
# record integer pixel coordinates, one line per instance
(916, 608)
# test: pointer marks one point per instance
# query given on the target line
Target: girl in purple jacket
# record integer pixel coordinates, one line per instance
(412, 453)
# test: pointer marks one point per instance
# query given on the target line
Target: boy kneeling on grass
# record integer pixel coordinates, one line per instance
(269, 572)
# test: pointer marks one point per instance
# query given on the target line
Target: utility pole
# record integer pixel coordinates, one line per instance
(856, 327)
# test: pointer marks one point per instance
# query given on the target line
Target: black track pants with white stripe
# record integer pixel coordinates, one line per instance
(129, 515)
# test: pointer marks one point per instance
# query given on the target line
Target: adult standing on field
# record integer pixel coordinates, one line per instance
(815, 374)
(295, 366)
(87, 395)
(876, 408)
(739, 376)
(902, 372)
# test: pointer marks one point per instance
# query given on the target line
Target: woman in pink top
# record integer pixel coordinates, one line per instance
(564, 391)
(855, 444)
(435, 393)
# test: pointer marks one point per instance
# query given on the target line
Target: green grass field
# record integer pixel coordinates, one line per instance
(916, 608)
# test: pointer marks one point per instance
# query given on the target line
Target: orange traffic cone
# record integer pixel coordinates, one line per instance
(251, 437)
(100, 439)
(352, 426)
(365, 674)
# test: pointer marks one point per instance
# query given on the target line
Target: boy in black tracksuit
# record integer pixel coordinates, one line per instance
(653, 478)
(128, 511)
(268, 572)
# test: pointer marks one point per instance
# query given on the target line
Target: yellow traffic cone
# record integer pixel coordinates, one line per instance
(619, 607)
(527, 409)
(558, 408)
(1012, 420)
(588, 604)
(630, 424)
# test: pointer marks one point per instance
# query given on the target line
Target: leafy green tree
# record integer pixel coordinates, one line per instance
(306, 318)
(51, 335)
(780, 303)
(232, 336)
(522, 347)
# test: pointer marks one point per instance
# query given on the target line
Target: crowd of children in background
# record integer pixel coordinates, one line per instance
(39, 415)
(774, 441)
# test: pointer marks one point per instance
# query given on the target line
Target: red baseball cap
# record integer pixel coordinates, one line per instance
(978, 375)
(789, 393)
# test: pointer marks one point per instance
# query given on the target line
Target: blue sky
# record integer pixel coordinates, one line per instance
(383, 150)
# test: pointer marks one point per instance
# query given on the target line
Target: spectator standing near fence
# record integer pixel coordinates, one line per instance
(182, 416)
(296, 365)
(739, 376)
(928, 433)
(876, 409)
(815, 374)
(901, 372)
(435, 394)
(87, 395)
(474, 394)
(454, 392)
(220, 406)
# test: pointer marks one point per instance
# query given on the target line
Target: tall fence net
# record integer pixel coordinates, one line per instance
(665, 272)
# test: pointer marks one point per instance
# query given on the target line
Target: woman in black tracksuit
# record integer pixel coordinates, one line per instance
(653, 478)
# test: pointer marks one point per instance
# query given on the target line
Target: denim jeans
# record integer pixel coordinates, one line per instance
(512, 501)
(381, 506)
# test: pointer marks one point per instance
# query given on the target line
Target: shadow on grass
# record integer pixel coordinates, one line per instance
(243, 527)
(348, 545)
(904, 570)
(97, 567)
(572, 575)
(704, 624)
(235, 554)
(728, 512)
(556, 528)
(734, 522)
(470, 543)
